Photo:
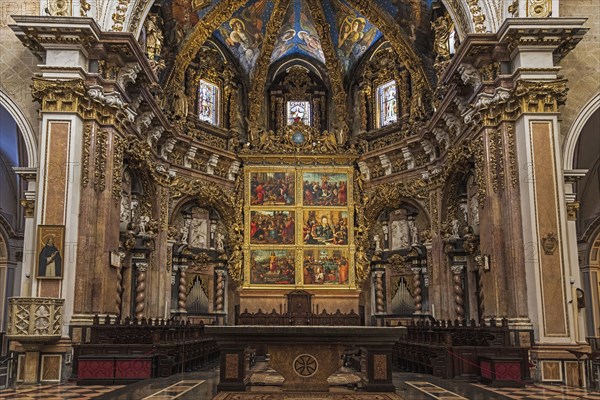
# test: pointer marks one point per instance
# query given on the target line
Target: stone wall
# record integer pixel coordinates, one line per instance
(17, 63)
(582, 65)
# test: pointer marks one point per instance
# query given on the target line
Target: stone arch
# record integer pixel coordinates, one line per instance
(27, 132)
(572, 138)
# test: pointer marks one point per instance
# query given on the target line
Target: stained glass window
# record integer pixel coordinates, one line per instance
(388, 103)
(298, 111)
(208, 96)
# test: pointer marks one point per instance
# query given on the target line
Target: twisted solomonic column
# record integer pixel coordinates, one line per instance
(417, 289)
(220, 292)
(379, 295)
(140, 290)
(459, 293)
(181, 304)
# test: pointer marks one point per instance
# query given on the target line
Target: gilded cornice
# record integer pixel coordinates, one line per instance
(334, 66)
(261, 69)
(217, 15)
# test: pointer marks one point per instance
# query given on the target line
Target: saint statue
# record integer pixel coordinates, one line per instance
(154, 38)
(50, 261)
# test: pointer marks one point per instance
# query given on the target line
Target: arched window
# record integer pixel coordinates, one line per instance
(208, 102)
(387, 103)
(298, 111)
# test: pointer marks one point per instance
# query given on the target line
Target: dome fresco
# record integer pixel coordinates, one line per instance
(243, 34)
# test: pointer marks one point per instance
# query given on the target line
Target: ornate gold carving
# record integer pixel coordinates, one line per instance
(59, 8)
(549, 243)
(181, 303)
(100, 163)
(85, 156)
(461, 17)
(541, 96)
(136, 14)
(118, 16)
(572, 208)
(72, 96)
(84, 7)
(539, 8)
(369, 204)
(513, 8)
(512, 156)
(118, 152)
(58, 96)
(477, 15)
(442, 28)
(29, 206)
(298, 139)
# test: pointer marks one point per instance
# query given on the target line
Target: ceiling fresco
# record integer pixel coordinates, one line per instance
(298, 34)
(352, 34)
(243, 34)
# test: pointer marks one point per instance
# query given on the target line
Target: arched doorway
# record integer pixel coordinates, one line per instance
(13, 154)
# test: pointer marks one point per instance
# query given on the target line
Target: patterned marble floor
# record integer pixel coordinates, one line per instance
(57, 392)
(202, 385)
(544, 392)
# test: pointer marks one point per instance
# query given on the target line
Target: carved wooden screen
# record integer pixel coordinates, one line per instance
(299, 227)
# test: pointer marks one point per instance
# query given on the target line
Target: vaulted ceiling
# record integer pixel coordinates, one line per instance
(351, 34)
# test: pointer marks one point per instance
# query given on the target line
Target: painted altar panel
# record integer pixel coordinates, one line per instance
(272, 267)
(272, 188)
(272, 227)
(299, 228)
(324, 188)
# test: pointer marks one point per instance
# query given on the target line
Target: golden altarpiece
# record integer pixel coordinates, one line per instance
(210, 172)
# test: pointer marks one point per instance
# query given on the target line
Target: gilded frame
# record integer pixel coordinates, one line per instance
(299, 209)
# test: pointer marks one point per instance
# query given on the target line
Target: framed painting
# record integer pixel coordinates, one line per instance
(325, 227)
(272, 188)
(50, 248)
(325, 188)
(325, 266)
(272, 267)
(272, 227)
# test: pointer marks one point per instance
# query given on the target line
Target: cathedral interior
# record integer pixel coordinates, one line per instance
(312, 186)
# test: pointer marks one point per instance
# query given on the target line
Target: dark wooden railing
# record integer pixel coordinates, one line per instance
(450, 349)
(322, 319)
(120, 351)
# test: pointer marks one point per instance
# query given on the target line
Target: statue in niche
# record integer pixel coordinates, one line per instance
(399, 235)
(199, 229)
(143, 224)
(185, 230)
(219, 242)
(154, 38)
(377, 241)
(442, 28)
(465, 212)
(125, 213)
(474, 211)
(414, 233)
(455, 229)
(180, 103)
(135, 213)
